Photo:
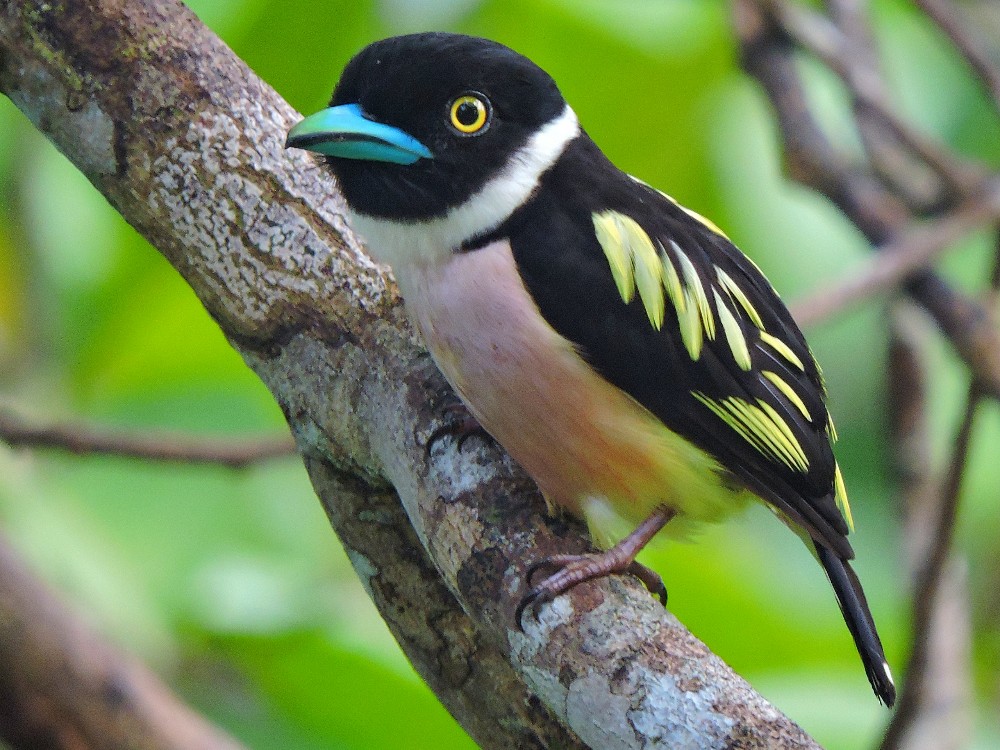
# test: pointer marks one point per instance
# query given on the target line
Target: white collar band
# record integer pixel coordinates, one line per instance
(421, 242)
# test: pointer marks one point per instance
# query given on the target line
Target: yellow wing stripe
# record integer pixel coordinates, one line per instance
(734, 334)
(782, 385)
(840, 496)
(737, 426)
(757, 422)
(760, 426)
(831, 429)
(711, 225)
(782, 348)
(641, 265)
(609, 235)
(694, 285)
(637, 265)
(708, 223)
(672, 281)
(690, 325)
(819, 370)
(648, 271)
(789, 441)
(734, 291)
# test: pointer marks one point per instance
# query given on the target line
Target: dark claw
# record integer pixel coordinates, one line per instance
(467, 432)
(458, 422)
(525, 602)
(538, 595)
(620, 559)
(660, 594)
(541, 593)
(650, 579)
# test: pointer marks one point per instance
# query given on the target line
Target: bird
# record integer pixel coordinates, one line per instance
(617, 344)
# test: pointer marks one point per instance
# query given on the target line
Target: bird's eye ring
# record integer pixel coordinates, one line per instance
(470, 113)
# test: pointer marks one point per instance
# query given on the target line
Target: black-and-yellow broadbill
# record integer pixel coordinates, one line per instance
(617, 344)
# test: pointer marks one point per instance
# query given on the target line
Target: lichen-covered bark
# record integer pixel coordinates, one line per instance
(187, 144)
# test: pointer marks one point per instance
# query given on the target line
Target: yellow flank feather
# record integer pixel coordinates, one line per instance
(761, 426)
(782, 385)
(782, 348)
(734, 334)
(840, 496)
(734, 291)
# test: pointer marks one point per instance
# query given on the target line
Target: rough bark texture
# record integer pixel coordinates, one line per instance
(186, 143)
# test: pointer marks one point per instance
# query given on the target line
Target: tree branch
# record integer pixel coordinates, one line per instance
(938, 615)
(936, 701)
(946, 16)
(877, 195)
(910, 252)
(82, 438)
(186, 143)
(880, 214)
(849, 53)
(930, 579)
(61, 687)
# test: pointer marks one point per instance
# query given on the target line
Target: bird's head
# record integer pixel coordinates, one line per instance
(423, 126)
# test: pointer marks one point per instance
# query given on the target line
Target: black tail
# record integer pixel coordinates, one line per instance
(859, 620)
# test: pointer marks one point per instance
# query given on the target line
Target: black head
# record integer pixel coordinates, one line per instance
(419, 123)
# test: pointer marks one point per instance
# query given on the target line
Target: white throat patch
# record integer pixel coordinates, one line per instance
(401, 243)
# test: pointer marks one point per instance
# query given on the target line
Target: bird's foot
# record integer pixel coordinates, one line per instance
(458, 423)
(575, 569)
(571, 570)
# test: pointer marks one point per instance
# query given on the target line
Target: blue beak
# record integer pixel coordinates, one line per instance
(346, 133)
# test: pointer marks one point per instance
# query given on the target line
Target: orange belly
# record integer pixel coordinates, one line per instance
(579, 437)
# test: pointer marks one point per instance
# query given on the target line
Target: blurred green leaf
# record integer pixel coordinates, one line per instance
(361, 704)
(300, 48)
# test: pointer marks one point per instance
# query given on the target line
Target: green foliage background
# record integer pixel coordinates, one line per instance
(231, 584)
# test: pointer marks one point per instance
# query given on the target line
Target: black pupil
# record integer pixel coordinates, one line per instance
(467, 113)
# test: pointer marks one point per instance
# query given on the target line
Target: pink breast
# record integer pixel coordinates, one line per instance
(574, 433)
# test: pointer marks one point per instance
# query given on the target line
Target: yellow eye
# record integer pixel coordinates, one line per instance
(470, 113)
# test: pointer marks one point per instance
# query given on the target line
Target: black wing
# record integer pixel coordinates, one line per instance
(669, 310)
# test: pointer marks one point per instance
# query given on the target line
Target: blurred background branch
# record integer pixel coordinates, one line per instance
(915, 185)
(935, 706)
(81, 438)
(61, 686)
